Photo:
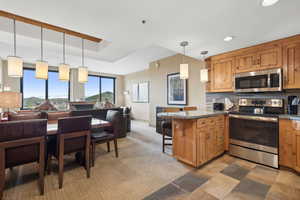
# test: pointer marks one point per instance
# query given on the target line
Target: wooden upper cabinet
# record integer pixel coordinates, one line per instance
(270, 57)
(245, 63)
(291, 65)
(263, 58)
(222, 75)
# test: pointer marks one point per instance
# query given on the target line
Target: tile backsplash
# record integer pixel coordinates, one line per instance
(234, 97)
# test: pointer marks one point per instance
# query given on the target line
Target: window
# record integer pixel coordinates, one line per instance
(35, 91)
(58, 91)
(100, 88)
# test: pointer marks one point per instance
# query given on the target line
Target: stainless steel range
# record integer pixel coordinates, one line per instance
(254, 130)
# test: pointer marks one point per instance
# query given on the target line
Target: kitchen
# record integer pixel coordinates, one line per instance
(260, 123)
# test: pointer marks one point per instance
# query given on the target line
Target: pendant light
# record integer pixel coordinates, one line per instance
(204, 72)
(41, 66)
(64, 69)
(184, 67)
(82, 70)
(14, 63)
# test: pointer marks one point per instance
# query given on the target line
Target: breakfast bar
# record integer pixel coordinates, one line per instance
(198, 136)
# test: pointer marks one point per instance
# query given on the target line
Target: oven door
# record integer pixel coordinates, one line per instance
(255, 132)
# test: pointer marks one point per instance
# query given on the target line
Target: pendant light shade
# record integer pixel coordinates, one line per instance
(41, 70)
(41, 67)
(82, 74)
(82, 70)
(64, 72)
(204, 75)
(14, 63)
(184, 67)
(15, 66)
(64, 69)
(184, 71)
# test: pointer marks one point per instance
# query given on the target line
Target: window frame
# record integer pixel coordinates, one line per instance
(46, 86)
(100, 85)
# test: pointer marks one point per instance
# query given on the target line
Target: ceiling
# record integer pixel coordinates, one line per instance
(130, 45)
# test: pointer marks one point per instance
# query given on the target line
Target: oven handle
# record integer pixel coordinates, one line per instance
(256, 118)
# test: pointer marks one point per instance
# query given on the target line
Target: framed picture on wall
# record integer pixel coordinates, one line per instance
(140, 92)
(177, 90)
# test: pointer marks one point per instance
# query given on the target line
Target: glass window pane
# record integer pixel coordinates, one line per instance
(58, 91)
(92, 89)
(33, 90)
(107, 90)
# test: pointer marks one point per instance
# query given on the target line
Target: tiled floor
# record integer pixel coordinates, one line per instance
(143, 172)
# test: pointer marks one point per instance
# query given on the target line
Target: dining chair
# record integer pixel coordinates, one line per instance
(189, 108)
(25, 115)
(108, 134)
(22, 142)
(73, 136)
(166, 126)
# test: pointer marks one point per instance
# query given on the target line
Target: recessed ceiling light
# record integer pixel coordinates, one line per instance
(266, 3)
(228, 38)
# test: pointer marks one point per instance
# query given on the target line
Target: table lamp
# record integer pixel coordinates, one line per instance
(9, 100)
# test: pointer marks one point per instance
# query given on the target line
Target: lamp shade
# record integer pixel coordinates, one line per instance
(64, 72)
(10, 100)
(15, 66)
(82, 74)
(41, 70)
(204, 75)
(184, 71)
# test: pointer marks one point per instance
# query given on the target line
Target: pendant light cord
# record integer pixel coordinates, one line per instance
(15, 39)
(82, 46)
(64, 48)
(42, 55)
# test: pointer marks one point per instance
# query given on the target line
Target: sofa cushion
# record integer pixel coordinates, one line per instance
(24, 116)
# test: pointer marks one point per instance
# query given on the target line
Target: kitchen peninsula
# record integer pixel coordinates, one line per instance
(198, 136)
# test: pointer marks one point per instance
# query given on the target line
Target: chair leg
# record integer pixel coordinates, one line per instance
(108, 146)
(42, 168)
(94, 154)
(116, 147)
(87, 157)
(2, 171)
(49, 164)
(61, 163)
(163, 141)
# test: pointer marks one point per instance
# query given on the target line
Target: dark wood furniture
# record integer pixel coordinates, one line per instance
(109, 134)
(73, 136)
(18, 137)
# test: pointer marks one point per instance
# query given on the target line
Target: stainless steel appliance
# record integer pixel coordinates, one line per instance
(253, 136)
(259, 81)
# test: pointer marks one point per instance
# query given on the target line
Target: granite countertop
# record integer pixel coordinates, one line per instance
(290, 117)
(191, 114)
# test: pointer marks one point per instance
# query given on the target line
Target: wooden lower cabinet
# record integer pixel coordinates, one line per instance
(197, 141)
(289, 144)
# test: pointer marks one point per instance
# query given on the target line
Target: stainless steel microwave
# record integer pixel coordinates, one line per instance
(258, 81)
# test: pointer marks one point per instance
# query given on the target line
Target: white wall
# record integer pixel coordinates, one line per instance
(157, 77)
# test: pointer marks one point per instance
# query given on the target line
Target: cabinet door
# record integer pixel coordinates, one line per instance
(210, 143)
(184, 141)
(287, 138)
(201, 148)
(246, 63)
(291, 65)
(297, 167)
(222, 75)
(270, 58)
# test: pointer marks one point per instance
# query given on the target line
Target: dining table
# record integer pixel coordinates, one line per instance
(96, 123)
